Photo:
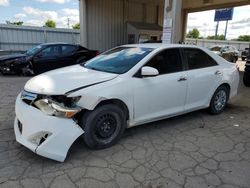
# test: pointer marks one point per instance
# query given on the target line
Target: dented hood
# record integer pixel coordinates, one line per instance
(61, 81)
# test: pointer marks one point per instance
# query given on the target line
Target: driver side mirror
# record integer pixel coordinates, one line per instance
(147, 71)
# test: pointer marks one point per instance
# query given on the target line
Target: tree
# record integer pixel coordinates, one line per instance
(243, 38)
(50, 23)
(14, 23)
(219, 37)
(76, 26)
(193, 33)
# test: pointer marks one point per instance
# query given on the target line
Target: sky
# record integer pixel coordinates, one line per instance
(36, 12)
(204, 22)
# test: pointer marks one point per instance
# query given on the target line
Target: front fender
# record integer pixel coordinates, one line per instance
(89, 102)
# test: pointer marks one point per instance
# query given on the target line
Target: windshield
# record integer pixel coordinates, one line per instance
(118, 60)
(34, 50)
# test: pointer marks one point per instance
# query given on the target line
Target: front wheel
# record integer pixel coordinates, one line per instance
(219, 100)
(28, 70)
(103, 126)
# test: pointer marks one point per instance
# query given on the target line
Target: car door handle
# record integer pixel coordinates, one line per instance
(218, 72)
(182, 79)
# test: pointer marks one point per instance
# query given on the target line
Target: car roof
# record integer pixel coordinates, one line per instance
(160, 45)
(57, 43)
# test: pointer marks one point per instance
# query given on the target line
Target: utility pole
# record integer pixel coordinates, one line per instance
(216, 31)
(225, 35)
(68, 22)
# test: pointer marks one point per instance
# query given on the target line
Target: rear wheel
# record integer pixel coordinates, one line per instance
(219, 100)
(81, 60)
(234, 59)
(103, 126)
(243, 58)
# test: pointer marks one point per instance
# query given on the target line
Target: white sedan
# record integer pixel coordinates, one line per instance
(121, 88)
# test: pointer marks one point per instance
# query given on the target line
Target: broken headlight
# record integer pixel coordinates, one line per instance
(53, 108)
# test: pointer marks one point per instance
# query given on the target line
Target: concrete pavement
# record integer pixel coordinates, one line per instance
(193, 151)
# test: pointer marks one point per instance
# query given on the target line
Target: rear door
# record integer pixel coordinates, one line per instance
(84, 54)
(203, 76)
(68, 55)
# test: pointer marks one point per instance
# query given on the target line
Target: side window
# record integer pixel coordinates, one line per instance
(167, 61)
(198, 59)
(68, 49)
(51, 51)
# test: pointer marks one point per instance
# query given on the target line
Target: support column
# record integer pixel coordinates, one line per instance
(83, 23)
(174, 18)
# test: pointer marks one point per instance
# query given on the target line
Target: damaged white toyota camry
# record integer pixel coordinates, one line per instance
(126, 86)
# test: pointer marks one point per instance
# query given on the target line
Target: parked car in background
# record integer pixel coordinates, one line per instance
(153, 41)
(245, 54)
(246, 76)
(45, 57)
(230, 53)
(127, 86)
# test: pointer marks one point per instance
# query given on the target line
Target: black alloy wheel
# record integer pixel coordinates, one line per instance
(103, 126)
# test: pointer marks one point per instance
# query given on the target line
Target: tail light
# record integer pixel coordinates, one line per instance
(97, 53)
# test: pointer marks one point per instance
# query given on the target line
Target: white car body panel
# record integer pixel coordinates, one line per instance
(165, 87)
(65, 79)
(201, 85)
(63, 131)
(147, 99)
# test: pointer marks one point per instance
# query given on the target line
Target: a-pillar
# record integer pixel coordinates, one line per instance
(175, 19)
(83, 23)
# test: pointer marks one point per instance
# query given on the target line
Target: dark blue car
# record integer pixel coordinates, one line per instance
(45, 57)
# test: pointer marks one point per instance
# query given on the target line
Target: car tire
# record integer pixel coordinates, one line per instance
(234, 59)
(246, 79)
(3, 73)
(219, 100)
(243, 58)
(28, 70)
(103, 127)
(81, 60)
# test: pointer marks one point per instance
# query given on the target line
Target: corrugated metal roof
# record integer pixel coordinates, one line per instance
(21, 38)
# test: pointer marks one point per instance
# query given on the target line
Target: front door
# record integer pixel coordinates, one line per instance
(47, 59)
(163, 95)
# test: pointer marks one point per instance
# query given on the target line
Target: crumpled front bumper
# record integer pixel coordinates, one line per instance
(45, 135)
